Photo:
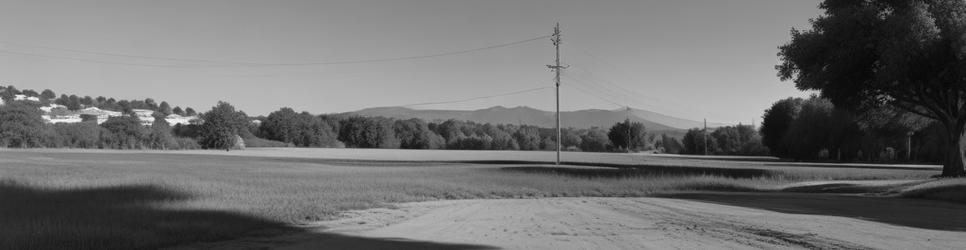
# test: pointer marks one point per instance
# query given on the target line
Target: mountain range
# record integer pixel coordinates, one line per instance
(654, 122)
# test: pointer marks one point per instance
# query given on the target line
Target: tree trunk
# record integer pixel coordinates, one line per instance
(954, 165)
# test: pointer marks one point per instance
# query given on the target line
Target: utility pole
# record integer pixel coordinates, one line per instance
(909, 145)
(556, 68)
(627, 121)
(705, 132)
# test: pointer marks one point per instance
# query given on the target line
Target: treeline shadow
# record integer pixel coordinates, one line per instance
(925, 214)
(725, 158)
(850, 165)
(592, 170)
(131, 217)
(641, 171)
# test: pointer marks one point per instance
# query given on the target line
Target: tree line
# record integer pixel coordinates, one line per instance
(223, 127)
(816, 129)
(302, 129)
(727, 140)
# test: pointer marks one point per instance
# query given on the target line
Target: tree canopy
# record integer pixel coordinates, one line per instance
(221, 126)
(20, 125)
(626, 132)
(908, 54)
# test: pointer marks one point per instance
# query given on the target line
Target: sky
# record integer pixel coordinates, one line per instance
(691, 59)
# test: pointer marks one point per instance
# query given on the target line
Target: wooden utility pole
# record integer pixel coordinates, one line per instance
(705, 136)
(556, 68)
(627, 121)
(909, 145)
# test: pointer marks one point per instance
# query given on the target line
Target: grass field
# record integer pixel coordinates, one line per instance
(57, 199)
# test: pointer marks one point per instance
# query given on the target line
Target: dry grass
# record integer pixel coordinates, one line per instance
(148, 200)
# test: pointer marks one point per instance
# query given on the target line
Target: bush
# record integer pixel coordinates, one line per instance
(254, 142)
(74, 135)
(594, 140)
(185, 143)
(123, 132)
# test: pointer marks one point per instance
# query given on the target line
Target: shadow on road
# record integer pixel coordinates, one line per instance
(925, 214)
(132, 217)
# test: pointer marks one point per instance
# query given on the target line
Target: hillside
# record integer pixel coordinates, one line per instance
(654, 122)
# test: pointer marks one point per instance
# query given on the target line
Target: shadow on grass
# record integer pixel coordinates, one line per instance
(851, 165)
(723, 158)
(936, 215)
(642, 171)
(129, 217)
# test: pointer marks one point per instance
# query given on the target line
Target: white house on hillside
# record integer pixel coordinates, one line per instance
(22, 97)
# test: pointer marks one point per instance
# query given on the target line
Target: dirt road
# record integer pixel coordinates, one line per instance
(692, 222)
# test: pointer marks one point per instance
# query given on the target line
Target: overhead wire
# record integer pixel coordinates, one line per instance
(581, 88)
(632, 94)
(255, 64)
(112, 54)
(477, 98)
(69, 58)
(591, 84)
(620, 89)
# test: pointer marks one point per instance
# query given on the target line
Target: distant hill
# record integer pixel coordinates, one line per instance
(655, 122)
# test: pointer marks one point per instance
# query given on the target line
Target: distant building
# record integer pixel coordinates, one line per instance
(101, 114)
(145, 115)
(52, 106)
(173, 119)
(55, 113)
(23, 97)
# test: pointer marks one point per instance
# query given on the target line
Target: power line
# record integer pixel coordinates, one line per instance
(599, 61)
(620, 89)
(592, 85)
(69, 58)
(595, 95)
(605, 95)
(253, 64)
(477, 98)
(391, 59)
(102, 53)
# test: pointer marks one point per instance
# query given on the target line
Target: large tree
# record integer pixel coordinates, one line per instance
(415, 134)
(300, 129)
(165, 108)
(20, 125)
(368, 132)
(775, 123)
(221, 126)
(123, 132)
(159, 136)
(908, 54)
(624, 133)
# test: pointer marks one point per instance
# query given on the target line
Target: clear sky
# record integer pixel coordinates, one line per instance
(686, 58)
